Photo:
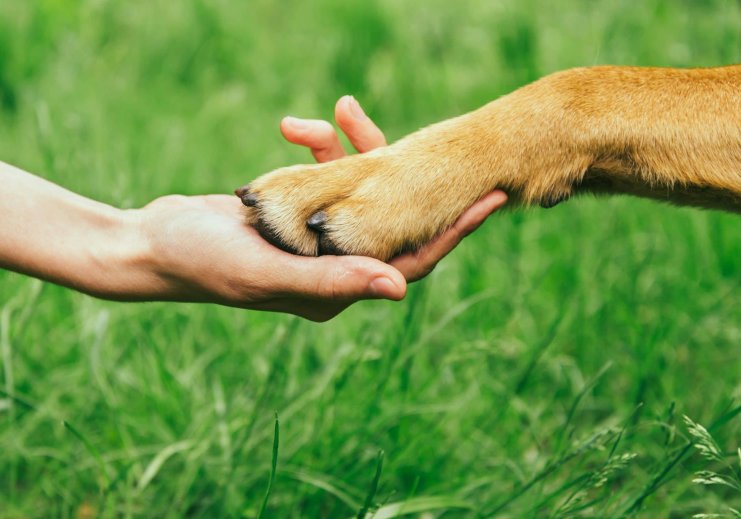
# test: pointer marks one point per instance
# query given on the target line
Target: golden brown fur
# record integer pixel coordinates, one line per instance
(667, 134)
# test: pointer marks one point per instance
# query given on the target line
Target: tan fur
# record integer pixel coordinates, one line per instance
(667, 134)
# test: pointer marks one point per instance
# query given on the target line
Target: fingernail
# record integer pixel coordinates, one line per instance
(383, 287)
(296, 123)
(355, 109)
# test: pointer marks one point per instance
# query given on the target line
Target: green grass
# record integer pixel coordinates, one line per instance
(542, 370)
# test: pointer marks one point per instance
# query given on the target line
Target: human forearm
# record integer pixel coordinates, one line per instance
(56, 235)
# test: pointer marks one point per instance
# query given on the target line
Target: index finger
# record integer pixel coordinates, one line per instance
(317, 135)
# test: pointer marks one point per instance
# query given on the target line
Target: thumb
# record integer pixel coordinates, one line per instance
(348, 278)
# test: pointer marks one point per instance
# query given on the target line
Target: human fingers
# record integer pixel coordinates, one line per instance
(363, 134)
(317, 135)
(337, 278)
(416, 265)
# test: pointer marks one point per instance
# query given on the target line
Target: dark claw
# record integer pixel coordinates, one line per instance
(553, 201)
(317, 221)
(248, 199)
(240, 191)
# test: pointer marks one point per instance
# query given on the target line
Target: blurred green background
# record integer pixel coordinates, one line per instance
(542, 370)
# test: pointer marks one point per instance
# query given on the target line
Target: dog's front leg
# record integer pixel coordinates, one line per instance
(667, 134)
(663, 133)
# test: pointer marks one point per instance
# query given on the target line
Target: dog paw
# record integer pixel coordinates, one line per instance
(378, 204)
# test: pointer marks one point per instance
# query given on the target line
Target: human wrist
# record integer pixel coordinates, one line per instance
(120, 259)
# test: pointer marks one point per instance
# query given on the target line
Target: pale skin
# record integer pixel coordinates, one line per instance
(199, 249)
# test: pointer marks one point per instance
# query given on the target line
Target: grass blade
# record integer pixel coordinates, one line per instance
(22, 401)
(421, 504)
(276, 441)
(156, 464)
(374, 487)
(324, 483)
(93, 452)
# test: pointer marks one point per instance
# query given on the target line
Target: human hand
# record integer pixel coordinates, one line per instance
(199, 249)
